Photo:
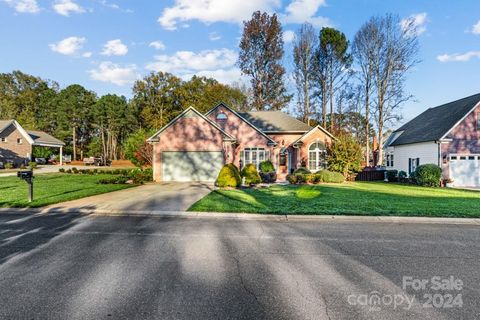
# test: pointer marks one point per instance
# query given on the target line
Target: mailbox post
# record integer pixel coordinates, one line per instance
(28, 177)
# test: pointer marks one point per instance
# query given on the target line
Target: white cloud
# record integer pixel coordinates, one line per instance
(459, 57)
(217, 63)
(300, 11)
(65, 7)
(418, 21)
(24, 6)
(158, 45)
(476, 28)
(227, 76)
(288, 36)
(114, 48)
(114, 73)
(214, 36)
(68, 46)
(210, 11)
(87, 54)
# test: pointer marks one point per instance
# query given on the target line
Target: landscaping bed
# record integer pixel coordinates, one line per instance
(353, 198)
(54, 188)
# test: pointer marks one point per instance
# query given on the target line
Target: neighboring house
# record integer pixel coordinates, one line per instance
(448, 136)
(194, 147)
(16, 143)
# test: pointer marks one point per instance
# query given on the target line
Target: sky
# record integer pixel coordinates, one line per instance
(105, 45)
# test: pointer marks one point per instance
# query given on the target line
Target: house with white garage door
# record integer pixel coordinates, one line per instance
(447, 135)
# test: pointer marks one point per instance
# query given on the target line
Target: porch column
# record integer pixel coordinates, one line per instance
(61, 156)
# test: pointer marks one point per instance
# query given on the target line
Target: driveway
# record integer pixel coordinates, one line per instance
(84, 267)
(171, 196)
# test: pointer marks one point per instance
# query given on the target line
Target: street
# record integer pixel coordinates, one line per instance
(80, 267)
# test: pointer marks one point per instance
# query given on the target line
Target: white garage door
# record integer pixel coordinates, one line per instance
(191, 165)
(465, 170)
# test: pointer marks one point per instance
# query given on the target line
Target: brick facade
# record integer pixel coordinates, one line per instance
(11, 150)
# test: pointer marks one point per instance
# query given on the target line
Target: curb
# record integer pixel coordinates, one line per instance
(243, 216)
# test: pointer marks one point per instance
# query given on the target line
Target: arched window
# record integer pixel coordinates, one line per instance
(317, 156)
(221, 116)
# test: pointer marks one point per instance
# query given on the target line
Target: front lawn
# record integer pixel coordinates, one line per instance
(355, 198)
(53, 188)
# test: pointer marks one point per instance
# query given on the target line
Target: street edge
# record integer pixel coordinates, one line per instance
(243, 216)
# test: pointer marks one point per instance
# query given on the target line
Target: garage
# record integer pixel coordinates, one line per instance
(191, 165)
(465, 170)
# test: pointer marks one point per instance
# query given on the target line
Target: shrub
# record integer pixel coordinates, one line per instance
(137, 149)
(68, 171)
(33, 164)
(266, 166)
(392, 175)
(292, 179)
(268, 177)
(402, 174)
(302, 170)
(428, 175)
(250, 173)
(8, 165)
(74, 170)
(229, 176)
(330, 176)
(114, 180)
(345, 155)
(61, 170)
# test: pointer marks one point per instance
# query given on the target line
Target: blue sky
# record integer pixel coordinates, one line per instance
(105, 45)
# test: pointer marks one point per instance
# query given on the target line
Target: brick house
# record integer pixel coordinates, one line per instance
(447, 135)
(16, 143)
(195, 146)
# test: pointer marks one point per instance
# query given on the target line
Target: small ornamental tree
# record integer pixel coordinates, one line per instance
(344, 155)
(138, 150)
(428, 175)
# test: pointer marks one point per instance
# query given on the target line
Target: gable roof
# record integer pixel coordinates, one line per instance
(310, 131)
(240, 115)
(275, 121)
(4, 124)
(181, 115)
(44, 139)
(435, 123)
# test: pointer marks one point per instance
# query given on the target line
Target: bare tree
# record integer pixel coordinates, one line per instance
(304, 69)
(392, 50)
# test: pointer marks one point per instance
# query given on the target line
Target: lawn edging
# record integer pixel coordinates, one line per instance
(244, 216)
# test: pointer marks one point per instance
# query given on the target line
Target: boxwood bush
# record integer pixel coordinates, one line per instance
(229, 176)
(428, 175)
(267, 172)
(322, 176)
(392, 175)
(301, 170)
(250, 173)
(266, 166)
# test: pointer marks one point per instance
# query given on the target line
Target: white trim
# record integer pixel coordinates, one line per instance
(21, 130)
(52, 145)
(308, 133)
(153, 138)
(287, 132)
(460, 121)
(242, 118)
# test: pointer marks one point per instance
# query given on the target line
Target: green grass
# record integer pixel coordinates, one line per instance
(53, 188)
(356, 198)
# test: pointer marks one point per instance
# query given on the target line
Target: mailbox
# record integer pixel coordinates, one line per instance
(25, 175)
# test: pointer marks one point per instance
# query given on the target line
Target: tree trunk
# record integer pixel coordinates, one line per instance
(324, 104)
(74, 141)
(331, 104)
(367, 124)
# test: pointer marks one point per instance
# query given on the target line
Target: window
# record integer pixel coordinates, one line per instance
(413, 163)
(478, 121)
(221, 116)
(389, 160)
(19, 141)
(253, 155)
(282, 161)
(4, 139)
(317, 156)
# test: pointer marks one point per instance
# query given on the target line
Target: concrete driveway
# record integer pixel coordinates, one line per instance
(171, 196)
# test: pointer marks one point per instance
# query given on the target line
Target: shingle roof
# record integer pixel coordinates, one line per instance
(40, 137)
(434, 123)
(4, 124)
(275, 121)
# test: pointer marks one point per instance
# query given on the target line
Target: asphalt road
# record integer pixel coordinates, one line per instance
(73, 267)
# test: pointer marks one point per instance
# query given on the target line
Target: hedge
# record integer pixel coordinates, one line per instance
(322, 176)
